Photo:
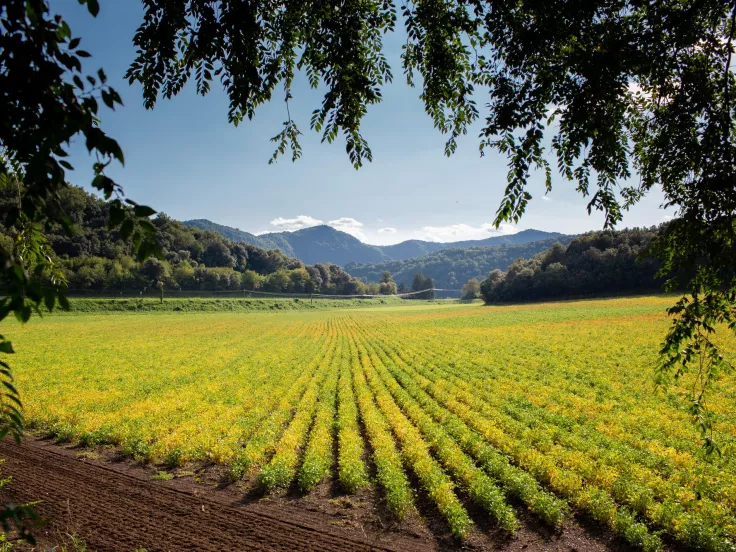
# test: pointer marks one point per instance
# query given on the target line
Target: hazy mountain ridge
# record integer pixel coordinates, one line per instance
(321, 244)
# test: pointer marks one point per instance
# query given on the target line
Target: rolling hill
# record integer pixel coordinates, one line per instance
(323, 244)
(452, 267)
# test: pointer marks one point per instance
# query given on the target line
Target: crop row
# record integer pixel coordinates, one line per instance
(593, 487)
(445, 405)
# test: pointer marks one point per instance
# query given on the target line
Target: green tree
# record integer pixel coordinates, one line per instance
(252, 280)
(218, 254)
(471, 289)
(594, 264)
(417, 283)
(429, 286)
(387, 286)
(155, 271)
(298, 280)
(278, 282)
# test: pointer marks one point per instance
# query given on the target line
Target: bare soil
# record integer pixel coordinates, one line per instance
(116, 505)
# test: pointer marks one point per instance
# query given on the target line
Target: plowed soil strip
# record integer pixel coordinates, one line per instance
(115, 511)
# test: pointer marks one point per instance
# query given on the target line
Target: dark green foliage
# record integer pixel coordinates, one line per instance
(471, 290)
(419, 283)
(700, 257)
(218, 254)
(429, 286)
(47, 101)
(449, 268)
(597, 263)
(93, 257)
(253, 48)
(387, 286)
(19, 519)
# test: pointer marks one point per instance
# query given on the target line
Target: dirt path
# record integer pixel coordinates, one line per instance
(114, 511)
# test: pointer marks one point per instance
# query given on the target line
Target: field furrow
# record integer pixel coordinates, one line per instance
(351, 469)
(389, 466)
(516, 483)
(264, 441)
(595, 487)
(318, 460)
(415, 452)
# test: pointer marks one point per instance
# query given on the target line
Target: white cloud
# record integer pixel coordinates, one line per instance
(350, 226)
(345, 222)
(296, 223)
(387, 234)
(459, 232)
(545, 198)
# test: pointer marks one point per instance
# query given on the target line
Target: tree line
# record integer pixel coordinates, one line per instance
(596, 263)
(450, 268)
(93, 257)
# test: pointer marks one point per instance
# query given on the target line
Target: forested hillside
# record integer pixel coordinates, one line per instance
(95, 258)
(270, 241)
(451, 268)
(320, 244)
(325, 244)
(317, 244)
(596, 263)
(416, 248)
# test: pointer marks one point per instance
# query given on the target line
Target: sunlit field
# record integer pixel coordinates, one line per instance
(547, 407)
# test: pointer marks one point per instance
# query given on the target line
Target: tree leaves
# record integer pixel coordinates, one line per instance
(253, 48)
(92, 5)
(46, 104)
(143, 211)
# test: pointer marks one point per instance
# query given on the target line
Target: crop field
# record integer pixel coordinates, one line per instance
(548, 408)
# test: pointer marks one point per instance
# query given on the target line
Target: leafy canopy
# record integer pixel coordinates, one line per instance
(46, 100)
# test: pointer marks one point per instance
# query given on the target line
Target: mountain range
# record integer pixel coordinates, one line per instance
(324, 244)
(453, 266)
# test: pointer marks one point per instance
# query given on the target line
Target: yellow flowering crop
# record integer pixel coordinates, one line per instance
(550, 407)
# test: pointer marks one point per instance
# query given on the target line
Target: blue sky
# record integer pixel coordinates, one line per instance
(183, 158)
